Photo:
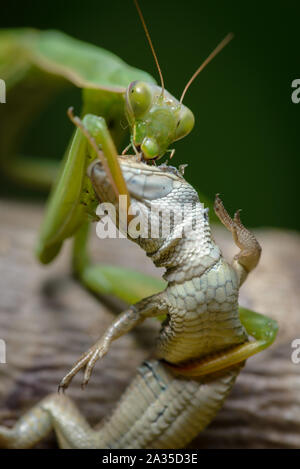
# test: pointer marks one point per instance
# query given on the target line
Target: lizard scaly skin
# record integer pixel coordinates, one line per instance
(159, 409)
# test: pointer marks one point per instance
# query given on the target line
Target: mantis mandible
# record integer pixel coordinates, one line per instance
(156, 120)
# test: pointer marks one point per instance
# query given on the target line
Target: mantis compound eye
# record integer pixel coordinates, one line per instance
(185, 123)
(138, 98)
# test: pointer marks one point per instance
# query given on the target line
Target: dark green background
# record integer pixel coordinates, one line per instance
(245, 141)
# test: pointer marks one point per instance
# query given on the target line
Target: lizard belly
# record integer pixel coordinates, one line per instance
(203, 316)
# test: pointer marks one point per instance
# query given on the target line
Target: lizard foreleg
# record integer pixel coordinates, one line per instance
(149, 307)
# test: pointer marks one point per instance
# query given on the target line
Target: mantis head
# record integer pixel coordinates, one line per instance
(156, 118)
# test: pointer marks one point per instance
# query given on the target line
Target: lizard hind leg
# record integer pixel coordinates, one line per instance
(55, 412)
(250, 249)
(29, 430)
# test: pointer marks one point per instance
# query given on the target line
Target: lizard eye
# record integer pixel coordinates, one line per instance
(138, 97)
(185, 123)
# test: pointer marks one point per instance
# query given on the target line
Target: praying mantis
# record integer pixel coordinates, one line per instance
(35, 66)
(156, 120)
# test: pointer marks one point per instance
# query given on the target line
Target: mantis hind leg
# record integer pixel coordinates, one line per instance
(56, 412)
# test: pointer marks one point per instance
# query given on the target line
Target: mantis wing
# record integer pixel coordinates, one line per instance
(35, 66)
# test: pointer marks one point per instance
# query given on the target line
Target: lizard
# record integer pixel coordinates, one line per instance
(166, 405)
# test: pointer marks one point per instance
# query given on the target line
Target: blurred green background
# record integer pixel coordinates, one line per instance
(246, 138)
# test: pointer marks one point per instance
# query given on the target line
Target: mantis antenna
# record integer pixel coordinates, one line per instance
(218, 49)
(151, 45)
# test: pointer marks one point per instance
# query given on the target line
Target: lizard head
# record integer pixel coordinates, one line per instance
(159, 197)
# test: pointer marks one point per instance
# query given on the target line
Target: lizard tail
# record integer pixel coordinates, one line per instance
(161, 410)
(158, 410)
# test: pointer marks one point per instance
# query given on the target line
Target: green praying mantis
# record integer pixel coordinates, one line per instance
(35, 65)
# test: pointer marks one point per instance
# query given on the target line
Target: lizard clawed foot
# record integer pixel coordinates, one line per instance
(250, 250)
(87, 361)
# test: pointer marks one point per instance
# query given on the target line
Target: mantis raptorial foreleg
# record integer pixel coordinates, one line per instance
(72, 204)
